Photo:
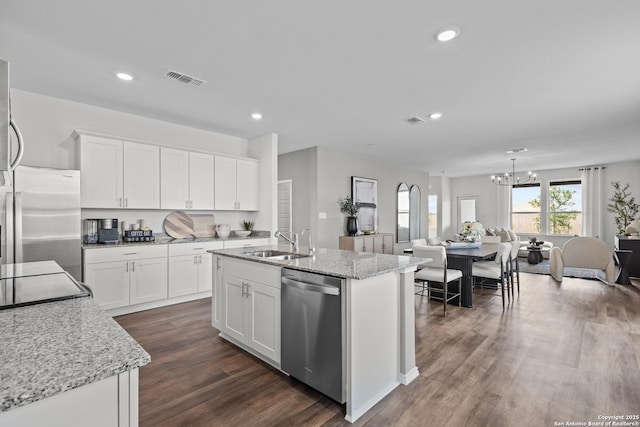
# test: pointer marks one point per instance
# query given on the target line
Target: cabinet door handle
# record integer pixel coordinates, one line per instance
(133, 266)
(243, 287)
(195, 259)
(248, 290)
(126, 266)
(119, 202)
(126, 202)
(218, 263)
(199, 259)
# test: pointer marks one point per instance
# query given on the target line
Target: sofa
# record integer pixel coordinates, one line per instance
(500, 235)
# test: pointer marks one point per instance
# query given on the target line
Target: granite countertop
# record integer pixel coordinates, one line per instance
(168, 240)
(54, 347)
(332, 262)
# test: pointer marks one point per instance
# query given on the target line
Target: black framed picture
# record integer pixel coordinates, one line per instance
(364, 192)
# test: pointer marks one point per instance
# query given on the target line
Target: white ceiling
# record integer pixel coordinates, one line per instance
(559, 77)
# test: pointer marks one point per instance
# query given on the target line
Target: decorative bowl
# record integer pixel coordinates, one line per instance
(242, 233)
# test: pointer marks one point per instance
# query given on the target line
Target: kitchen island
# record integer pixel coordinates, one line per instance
(378, 350)
(67, 363)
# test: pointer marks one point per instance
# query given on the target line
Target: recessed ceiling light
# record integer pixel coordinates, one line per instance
(256, 116)
(447, 34)
(124, 76)
(516, 150)
(436, 115)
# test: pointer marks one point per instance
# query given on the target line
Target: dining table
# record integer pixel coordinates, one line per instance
(462, 259)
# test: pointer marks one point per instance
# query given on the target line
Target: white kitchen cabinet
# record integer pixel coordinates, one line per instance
(186, 179)
(190, 268)
(147, 280)
(127, 275)
(174, 178)
(245, 243)
(109, 282)
(236, 184)
(141, 182)
(117, 174)
(250, 307)
(101, 172)
(201, 181)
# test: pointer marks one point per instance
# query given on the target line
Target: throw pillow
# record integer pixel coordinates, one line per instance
(490, 232)
(512, 235)
(504, 235)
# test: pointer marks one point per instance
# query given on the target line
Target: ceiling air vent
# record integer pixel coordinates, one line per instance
(184, 78)
(415, 120)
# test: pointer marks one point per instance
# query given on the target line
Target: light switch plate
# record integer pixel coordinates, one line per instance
(322, 215)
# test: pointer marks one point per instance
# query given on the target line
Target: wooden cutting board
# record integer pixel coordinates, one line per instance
(179, 225)
(203, 226)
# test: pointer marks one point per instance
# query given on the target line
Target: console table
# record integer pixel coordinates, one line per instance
(632, 268)
(380, 243)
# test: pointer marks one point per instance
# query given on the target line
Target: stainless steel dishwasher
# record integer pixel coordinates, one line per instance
(312, 331)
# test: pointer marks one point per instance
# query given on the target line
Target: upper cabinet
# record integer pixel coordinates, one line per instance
(236, 184)
(101, 172)
(117, 174)
(141, 182)
(186, 179)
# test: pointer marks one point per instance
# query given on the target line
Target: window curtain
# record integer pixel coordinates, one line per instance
(593, 201)
(503, 216)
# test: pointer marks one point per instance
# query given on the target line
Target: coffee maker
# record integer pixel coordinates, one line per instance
(108, 230)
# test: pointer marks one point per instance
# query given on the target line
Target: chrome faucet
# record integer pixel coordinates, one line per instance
(310, 241)
(293, 240)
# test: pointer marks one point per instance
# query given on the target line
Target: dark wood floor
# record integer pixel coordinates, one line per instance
(559, 353)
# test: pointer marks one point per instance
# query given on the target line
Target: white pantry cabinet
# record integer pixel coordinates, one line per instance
(190, 268)
(119, 174)
(126, 275)
(236, 184)
(250, 306)
(186, 179)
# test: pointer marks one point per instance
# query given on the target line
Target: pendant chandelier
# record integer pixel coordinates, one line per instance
(510, 179)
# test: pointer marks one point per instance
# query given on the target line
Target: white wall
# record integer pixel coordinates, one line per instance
(332, 178)
(47, 125)
(482, 187)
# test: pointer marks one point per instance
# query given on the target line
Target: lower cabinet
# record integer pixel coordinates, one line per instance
(125, 276)
(249, 308)
(380, 243)
(190, 268)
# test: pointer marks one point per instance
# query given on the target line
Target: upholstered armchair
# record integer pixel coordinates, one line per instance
(582, 252)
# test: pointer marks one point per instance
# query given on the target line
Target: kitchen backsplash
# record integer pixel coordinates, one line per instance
(155, 218)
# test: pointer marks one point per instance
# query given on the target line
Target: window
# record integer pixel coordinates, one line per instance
(433, 215)
(565, 207)
(525, 208)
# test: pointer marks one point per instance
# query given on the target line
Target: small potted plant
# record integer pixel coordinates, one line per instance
(248, 228)
(351, 210)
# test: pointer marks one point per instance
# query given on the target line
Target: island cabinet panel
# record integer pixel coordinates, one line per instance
(378, 243)
(249, 313)
(111, 402)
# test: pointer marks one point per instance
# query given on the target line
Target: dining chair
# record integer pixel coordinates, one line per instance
(497, 269)
(437, 272)
(514, 266)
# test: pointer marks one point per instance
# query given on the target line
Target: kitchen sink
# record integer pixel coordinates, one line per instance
(276, 255)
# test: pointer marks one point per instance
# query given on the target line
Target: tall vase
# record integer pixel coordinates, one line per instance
(352, 225)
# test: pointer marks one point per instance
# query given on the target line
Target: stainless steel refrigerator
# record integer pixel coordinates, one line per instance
(39, 207)
(42, 218)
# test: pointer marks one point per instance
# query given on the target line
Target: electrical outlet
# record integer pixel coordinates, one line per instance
(322, 215)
